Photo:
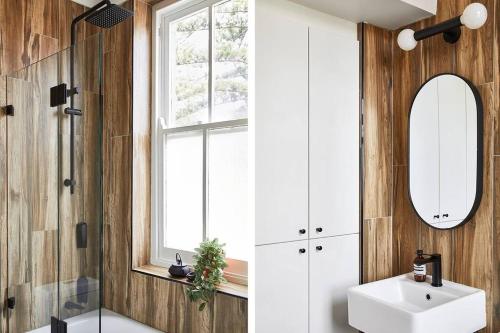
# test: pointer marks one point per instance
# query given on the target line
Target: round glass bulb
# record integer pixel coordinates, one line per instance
(406, 40)
(474, 15)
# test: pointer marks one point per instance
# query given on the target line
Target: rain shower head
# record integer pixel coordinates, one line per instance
(109, 15)
(104, 15)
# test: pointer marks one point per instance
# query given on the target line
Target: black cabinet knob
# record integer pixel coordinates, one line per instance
(319, 248)
(302, 231)
(445, 215)
(319, 229)
(302, 251)
(436, 216)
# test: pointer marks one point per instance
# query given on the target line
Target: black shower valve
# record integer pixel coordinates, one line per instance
(11, 302)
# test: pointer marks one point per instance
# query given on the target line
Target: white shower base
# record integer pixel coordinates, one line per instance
(110, 323)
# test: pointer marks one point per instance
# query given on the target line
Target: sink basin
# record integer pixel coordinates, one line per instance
(400, 304)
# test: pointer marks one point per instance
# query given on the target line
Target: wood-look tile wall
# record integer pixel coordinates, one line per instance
(154, 301)
(392, 231)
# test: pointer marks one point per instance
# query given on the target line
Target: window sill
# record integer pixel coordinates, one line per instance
(228, 288)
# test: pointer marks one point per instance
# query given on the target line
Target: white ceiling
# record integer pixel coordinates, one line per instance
(389, 14)
(90, 3)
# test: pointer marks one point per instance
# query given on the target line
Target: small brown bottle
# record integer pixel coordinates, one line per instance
(419, 269)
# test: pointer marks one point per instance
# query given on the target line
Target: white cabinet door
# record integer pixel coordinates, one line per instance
(281, 295)
(453, 148)
(333, 268)
(424, 153)
(281, 126)
(333, 134)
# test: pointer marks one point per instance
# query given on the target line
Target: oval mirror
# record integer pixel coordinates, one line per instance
(446, 151)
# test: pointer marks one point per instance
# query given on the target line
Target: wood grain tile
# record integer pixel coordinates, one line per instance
(377, 122)
(91, 179)
(230, 315)
(496, 72)
(438, 56)
(46, 18)
(14, 29)
(496, 248)
(142, 69)
(476, 47)
(407, 80)
(117, 228)
(19, 199)
(377, 250)
(496, 200)
(67, 11)
(141, 210)
(473, 245)
(141, 129)
(405, 224)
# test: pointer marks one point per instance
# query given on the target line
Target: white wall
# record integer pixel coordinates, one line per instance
(310, 17)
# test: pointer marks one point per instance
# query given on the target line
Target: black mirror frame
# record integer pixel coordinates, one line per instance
(480, 152)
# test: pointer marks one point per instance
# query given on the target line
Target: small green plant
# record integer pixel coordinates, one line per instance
(208, 268)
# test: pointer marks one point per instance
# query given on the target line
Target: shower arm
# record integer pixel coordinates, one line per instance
(71, 182)
(82, 16)
(73, 41)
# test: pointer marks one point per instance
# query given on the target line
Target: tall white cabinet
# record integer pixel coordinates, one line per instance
(306, 174)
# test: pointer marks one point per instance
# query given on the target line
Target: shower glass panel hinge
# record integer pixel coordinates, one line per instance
(59, 94)
(11, 302)
(58, 326)
(9, 110)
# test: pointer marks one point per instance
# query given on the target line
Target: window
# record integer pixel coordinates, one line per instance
(200, 141)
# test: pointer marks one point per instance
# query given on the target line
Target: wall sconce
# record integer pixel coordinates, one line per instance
(473, 17)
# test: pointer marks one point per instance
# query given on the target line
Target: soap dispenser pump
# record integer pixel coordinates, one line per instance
(419, 268)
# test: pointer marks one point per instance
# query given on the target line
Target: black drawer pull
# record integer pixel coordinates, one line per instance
(302, 231)
(319, 248)
(302, 251)
(319, 229)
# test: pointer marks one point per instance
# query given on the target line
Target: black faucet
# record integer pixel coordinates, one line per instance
(437, 276)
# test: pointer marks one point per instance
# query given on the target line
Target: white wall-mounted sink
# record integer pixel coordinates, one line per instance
(400, 304)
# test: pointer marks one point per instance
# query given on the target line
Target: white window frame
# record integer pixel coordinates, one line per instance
(164, 13)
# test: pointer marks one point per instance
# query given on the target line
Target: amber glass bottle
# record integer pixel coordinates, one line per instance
(419, 269)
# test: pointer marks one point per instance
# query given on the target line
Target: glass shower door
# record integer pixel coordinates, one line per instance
(53, 236)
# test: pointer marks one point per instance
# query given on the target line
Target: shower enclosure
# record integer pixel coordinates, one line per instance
(52, 246)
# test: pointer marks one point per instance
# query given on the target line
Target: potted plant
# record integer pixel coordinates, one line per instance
(208, 270)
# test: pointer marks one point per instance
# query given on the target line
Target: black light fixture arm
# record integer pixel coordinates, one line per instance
(450, 29)
(71, 181)
(474, 16)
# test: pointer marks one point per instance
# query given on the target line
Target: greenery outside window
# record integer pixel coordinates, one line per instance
(200, 137)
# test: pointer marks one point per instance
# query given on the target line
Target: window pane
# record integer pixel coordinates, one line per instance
(189, 70)
(183, 190)
(227, 190)
(230, 60)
